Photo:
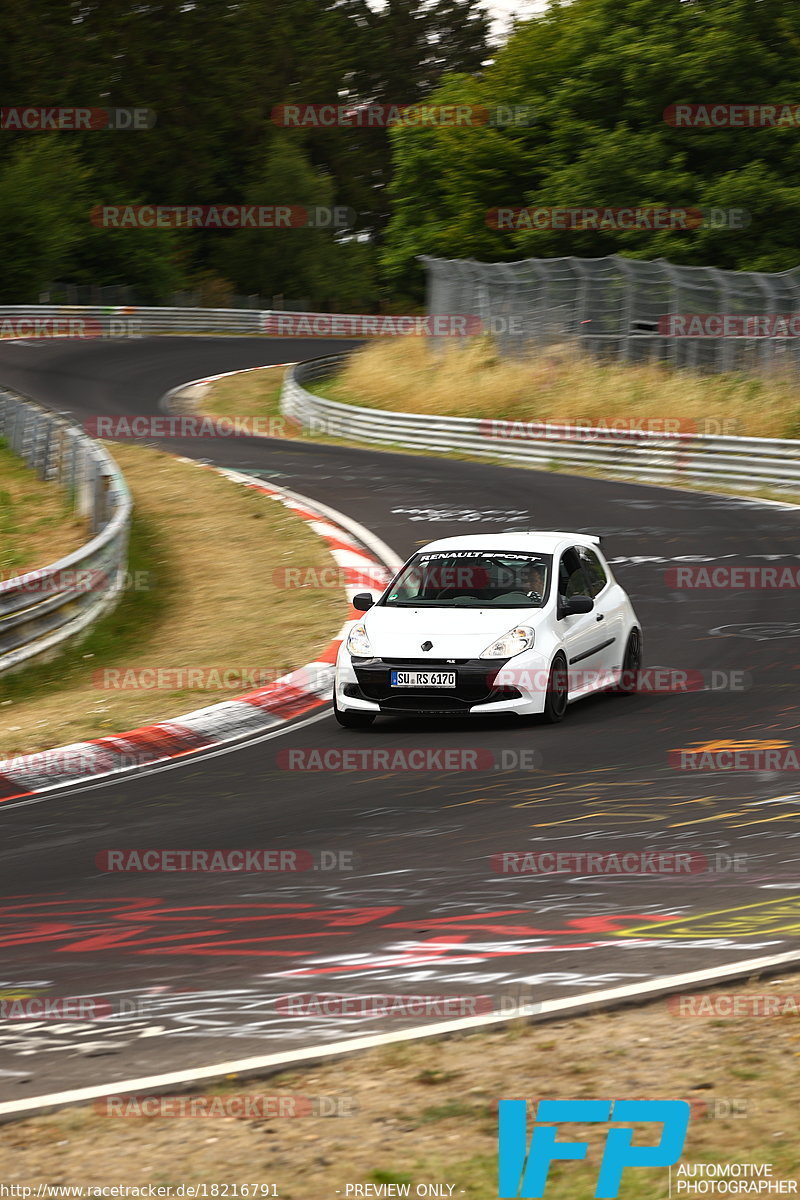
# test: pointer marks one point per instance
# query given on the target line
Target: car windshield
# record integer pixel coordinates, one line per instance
(472, 579)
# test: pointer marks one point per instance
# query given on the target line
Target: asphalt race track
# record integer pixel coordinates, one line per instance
(194, 964)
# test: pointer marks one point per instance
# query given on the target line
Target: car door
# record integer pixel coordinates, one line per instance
(609, 610)
(583, 636)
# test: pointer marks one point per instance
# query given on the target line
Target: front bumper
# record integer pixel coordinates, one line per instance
(364, 685)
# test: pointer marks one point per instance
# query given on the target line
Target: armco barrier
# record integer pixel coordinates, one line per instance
(39, 320)
(43, 608)
(693, 458)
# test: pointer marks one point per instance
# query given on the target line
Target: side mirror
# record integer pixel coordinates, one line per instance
(576, 605)
(363, 601)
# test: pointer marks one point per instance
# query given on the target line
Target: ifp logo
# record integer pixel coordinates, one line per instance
(523, 1171)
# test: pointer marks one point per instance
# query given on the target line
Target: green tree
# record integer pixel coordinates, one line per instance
(44, 206)
(153, 261)
(304, 262)
(600, 74)
(212, 71)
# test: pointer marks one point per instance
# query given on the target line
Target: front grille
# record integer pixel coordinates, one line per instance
(473, 685)
(423, 662)
(419, 702)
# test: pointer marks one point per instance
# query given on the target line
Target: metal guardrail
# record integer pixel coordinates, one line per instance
(24, 320)
(42, 608)
(746, 463)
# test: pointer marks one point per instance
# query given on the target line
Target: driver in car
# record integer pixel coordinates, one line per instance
(531, 580)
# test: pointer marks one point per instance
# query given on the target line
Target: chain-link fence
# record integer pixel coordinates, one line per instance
(628, 309)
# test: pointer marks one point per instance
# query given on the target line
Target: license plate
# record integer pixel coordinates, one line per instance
(422, 679)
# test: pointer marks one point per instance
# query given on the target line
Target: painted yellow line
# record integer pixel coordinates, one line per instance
(767, 908)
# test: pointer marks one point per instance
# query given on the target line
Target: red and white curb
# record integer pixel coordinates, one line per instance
(358, 553)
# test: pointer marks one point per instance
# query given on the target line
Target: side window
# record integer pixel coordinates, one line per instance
(593, 571)
(571, 581)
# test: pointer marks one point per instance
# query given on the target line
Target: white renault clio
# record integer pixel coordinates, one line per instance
(497, 623)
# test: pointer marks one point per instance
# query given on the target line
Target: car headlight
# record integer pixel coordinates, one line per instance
(511, 643)
(358, 642)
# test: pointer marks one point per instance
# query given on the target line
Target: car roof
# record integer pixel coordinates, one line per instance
(536, 541)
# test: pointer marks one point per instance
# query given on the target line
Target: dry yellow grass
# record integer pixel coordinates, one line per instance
(248, 394)
(213, 548)
(471, 383)
(425, 1112)
(563, 387)
(37, 524)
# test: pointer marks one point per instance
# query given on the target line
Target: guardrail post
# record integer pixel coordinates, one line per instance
(74, 481)
(41, 444)
(102, 485)
(14, 437)
(85, 483)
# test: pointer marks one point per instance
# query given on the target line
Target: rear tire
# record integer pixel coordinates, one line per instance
(350, 719)
(628, 684)
(555, 703)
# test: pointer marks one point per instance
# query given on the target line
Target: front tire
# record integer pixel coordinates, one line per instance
(555, 703)
(350, 719)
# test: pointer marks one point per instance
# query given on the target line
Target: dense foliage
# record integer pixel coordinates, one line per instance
(212, 70)
(597, 73)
